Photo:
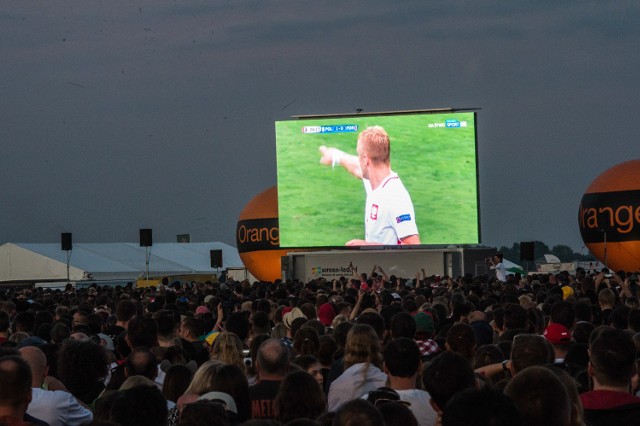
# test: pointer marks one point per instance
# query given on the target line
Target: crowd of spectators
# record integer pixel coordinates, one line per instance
(544, 349)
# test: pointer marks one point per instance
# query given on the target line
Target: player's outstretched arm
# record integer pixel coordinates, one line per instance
(410, 239)
(361, 243)
(334, 157)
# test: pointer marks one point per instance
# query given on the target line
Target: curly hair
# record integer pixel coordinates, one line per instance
(81, 365)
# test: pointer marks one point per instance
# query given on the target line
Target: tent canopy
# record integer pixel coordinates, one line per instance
(108, 261)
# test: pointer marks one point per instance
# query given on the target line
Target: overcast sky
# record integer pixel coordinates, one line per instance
(120, 115)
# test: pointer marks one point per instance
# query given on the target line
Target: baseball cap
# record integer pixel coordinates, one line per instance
(566, 292)
(225, 398)
(202, 310)
(326, 314)
(424, 323)
(483, 332)
(557, 334)
(107, 342)
(211, 337)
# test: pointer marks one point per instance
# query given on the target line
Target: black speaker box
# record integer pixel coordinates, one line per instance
(216, 258)
(526, 251)
(65, 241)
(146, 239)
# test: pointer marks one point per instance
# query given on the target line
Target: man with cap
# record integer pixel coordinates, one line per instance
(424, 335)
(559, 337)
(326, 313)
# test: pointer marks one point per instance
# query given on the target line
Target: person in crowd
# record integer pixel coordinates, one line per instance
(50, 400)
(311, 365)
(139, 406)
(206, 412)
(445, 376)
(82, 368)
(362, 367)
(484, 406)
(189, 333)
(15, 391)
(201, 384)
(559, 337)
(358, 412)
(395, 413)
(541, 397)
(402, 365)
(306, 342)
(227, 348)
(612, 365)
(5, 324)
(424, 335)
(125, 312)
(462, 339)
(272, 364)
(176, 381)
(299, 396)
(231, 380)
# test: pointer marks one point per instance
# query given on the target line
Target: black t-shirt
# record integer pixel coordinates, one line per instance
(262, 395)
(114, 331)
(196, 351)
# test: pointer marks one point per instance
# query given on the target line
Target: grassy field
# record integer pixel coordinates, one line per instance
(322, 206)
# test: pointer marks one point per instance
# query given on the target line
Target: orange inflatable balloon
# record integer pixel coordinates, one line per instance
(610, 212)
(258, 236)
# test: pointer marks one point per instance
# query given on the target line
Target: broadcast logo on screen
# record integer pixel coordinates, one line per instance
(337, 128)
(449, 124)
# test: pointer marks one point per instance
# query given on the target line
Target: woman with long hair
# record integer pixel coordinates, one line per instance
(306, 342)
(232, 381)
(201, 383)
(227, 348)
(362, 367)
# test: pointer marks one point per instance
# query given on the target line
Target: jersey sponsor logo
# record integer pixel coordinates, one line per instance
(403, 218)
(374, 212)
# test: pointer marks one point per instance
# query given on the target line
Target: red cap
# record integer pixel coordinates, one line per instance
(326, 314)
(557, 334)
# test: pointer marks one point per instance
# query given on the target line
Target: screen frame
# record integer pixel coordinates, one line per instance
(360, 114)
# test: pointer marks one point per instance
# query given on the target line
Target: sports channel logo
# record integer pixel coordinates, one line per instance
(338, 128)
(448, 124)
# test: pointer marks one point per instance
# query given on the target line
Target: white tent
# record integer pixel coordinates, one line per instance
(109, 261)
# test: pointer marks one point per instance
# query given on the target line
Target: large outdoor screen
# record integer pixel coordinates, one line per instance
(335, 191)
